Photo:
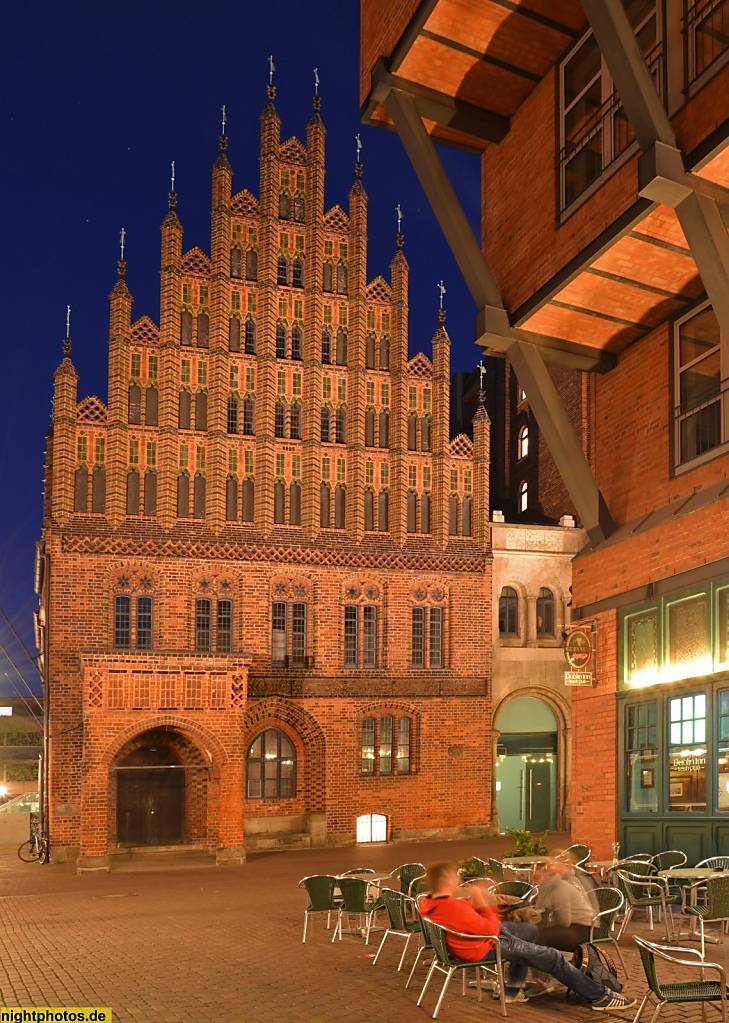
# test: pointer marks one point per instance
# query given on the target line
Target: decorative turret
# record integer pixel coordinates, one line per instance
(440, 424)
(61, 466)
(481, 459)
(398, 366)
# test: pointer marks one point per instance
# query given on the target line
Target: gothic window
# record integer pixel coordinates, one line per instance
(98, 491)
(280, 419)
(199, 490)
(203, 330)
(201, 411)
(185, 327)
(183, 496)
(284, 206)
(135, 404)
(350, 635)
(327, 277)
(427, 622)
(233, 406)
(384, 742)
(251, 265)
(466, 516)
(412, 512)
(249, 416)
(523, 442)
(523, 496)
(271, 767)
(236, 259)
(234, 334)
(412, 432)
(342, 279)
(203, 624)
(280, 341)
(453, 515)
(340, 507)
(369, 510)
(384, 352)
(133, 492)
(369, 428)
(122, 621)
(151, 405)
(295, 504)
(279, 503)
(183, 412)
(297, 275)
(326, 424)
(144, 623)
(383, 509)
(425, 513)
(508, 612)
(295, 421)
(248, 499)
(250, 341)
(150, 493)
(297, 342)
(341, 426)
(299, 209)
(282, 270)
(224, 627)
(80, 489)
(324, 502)
(370, 351)
(425, 433)
(326, 347)
(288, 628)
(231, 499)
(341, 348)
(384, 429)
(545, 612)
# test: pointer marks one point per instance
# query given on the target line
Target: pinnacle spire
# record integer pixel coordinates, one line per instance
(67, 338)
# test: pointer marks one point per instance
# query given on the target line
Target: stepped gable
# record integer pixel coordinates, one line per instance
(420, 366)
(336, 219)
(461, 446)
(292, 151)
(194, 261)
(144, 332)
(378, 290)
(91, 410)
(244, 203)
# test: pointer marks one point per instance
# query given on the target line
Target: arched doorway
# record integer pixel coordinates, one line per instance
(526, 765)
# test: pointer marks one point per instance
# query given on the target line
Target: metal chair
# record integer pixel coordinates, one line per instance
(576, 854)
(610, 901)
(408, 873)
(358, 870)
(495, 869)
(674, 992)
(714, 910)
(715, 863)
(354, 900)
(396, 905)
(519, 889)
(320, 888)
(425, 946)
(669, 859)
(445, 962)
(481, 866)
(643, 893)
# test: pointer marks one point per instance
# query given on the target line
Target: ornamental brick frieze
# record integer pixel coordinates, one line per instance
(293, 687)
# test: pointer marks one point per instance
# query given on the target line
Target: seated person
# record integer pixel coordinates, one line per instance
(567, 909)
(477, 914)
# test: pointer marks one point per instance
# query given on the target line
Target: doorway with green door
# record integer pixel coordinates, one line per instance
(527, 765)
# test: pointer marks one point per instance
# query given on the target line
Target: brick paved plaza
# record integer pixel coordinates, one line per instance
(196, 942)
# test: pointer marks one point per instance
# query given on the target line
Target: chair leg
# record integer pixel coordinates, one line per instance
(417, 960)
(306, 920)
(620, 956)
(404, 952)
(703, 943)
(650, 916)
(641, 1007)
(427, 981)
(384, 939)
(338, 927)
(626, 920)
(442, 993)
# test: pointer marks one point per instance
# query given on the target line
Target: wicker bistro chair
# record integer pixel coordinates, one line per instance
(577, 854)
(646, 893)
(675, 992)
(408, 873)
(714, 910)
(424, 947)
(320, 888)
(610, 902)
(355, 900)
(399, 923)
(519, 889)
(715, 863)
(358, 870)
(669, 859)
(444, 962)
(495, 869)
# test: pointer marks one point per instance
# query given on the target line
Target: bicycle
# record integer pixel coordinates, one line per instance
(36, 848)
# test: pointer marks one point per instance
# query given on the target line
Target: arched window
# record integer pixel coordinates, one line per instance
(295, 420)
(236, 262)
(250, 342)
(271, 766)
(200, 488)
(299, 209)
(523, 496)
(295, 504)
(369, 510)
(384, 352)
(80, 489)
(249, 494)
(326, 347)
(249, 416)
(326, 424)
(425, 433)
(370, 351)
(383, 511)
(233, 407)
(284, 206)
(231, 499)
(341, 426)
(425, 513)
(412, 432)
(203, 330)
(98, 491)
(234, 334)
(280, 341)
(342, 279)
(327, 277)
(282, 270)
(369, 427)
(466, 516)
(279, 424)
(183, 496)
(523, 442)
(150, 493)
(297, 342)
(201, 411)
(251, 265)
(135, 404)
(341, 348)
(279, 503)
(340, 507)
(384, 429)
(132, 492)
(508, 612)
(185, 327)
(324, 503)
(545, 612)
(412, 512)
(151, 405)
(297, 274)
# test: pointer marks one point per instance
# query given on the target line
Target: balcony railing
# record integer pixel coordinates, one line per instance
(701, 427)
(707, 32)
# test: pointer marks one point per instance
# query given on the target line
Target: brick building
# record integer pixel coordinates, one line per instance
(264, 577)
(603, 129)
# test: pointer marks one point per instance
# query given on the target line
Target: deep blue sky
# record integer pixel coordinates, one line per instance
(96, 99)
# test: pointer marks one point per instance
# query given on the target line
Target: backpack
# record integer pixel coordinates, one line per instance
(597, 965)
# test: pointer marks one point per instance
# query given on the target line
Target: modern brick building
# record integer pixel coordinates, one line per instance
(602, 128)
(264, 575)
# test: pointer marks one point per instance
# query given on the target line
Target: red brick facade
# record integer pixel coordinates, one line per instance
(268, 456)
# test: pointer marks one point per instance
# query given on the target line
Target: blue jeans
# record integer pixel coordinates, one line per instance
(521, 952)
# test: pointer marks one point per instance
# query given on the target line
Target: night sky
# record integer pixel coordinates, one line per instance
(96, 99)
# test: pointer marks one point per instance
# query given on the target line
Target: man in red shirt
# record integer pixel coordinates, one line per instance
(477, 914)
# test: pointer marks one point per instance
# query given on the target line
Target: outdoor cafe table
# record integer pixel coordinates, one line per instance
(524, 864)
(690, 874)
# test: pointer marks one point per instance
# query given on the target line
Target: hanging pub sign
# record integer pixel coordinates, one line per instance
(579, 652)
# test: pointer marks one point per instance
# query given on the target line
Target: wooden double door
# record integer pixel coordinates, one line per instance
(150, 798)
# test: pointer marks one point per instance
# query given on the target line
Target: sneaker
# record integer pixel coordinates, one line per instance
(518, 995)
(535, 990)
(612, 1000)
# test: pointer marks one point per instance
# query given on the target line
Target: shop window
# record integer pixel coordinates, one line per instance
(271, 766)
(545, 612)
(508, 612)
(687, 755)
(385, 745)
(699, 370)
(641, 758)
